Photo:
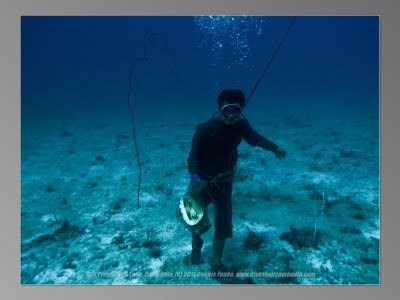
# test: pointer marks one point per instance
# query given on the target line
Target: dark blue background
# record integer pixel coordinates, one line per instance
(80, 65)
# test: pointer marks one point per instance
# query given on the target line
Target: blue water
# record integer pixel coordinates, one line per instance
(74, 108)
(81, 64)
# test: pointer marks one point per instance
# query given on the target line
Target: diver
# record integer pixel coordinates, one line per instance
(212, 165)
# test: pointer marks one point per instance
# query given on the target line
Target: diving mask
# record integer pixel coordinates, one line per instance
(231, 111)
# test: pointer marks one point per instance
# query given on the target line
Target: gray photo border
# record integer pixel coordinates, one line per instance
(10, 13)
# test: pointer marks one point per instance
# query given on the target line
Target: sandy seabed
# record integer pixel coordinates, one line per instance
(314, 215)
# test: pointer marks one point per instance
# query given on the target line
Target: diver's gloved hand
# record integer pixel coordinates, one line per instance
(280, 153)
(196, 185)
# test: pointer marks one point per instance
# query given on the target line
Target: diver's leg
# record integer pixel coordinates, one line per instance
(197, 230)
(218, 250)
(223, 224)
(197, 244)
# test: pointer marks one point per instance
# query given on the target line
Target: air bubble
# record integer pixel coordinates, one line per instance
(233, 31)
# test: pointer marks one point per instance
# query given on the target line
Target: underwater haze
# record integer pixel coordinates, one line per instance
(314, 215)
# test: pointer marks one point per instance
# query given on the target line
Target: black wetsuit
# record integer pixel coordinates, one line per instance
(214, 151)
(214, 145)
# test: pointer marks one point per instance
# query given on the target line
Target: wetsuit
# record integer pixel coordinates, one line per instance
(214, 151)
